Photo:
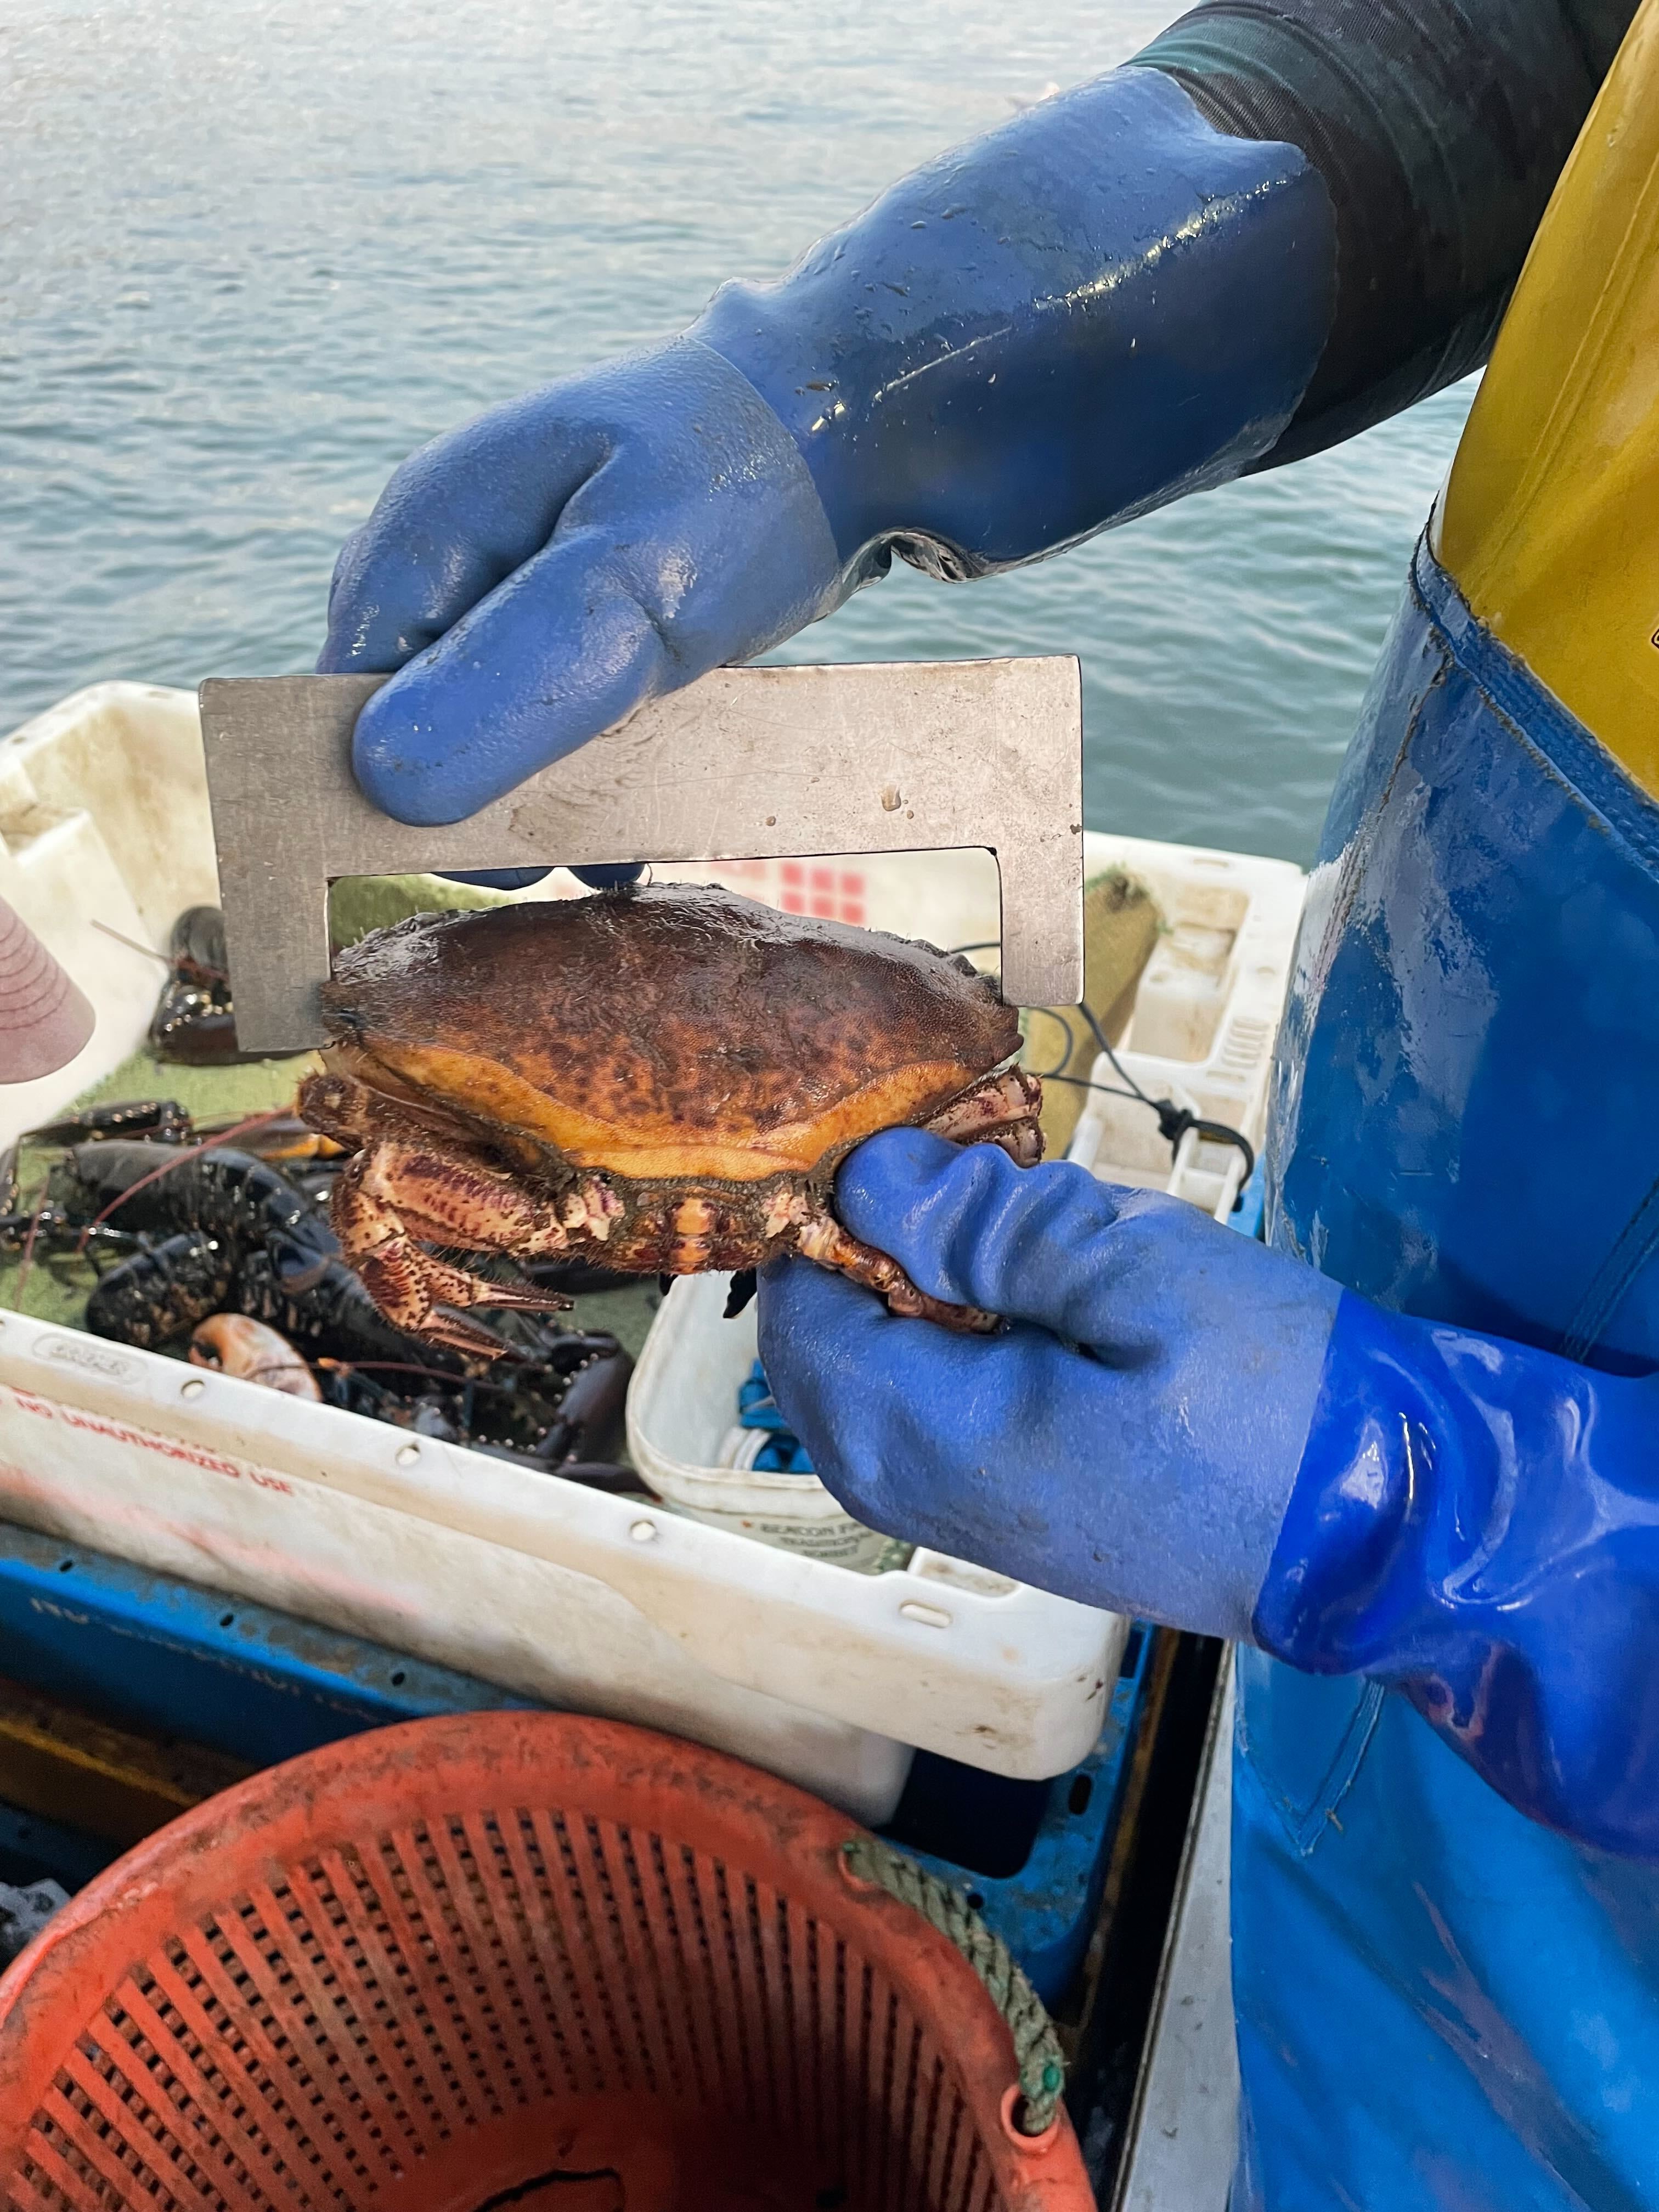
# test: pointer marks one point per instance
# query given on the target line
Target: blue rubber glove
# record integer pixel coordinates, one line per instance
(537, 575)
(1131, 1440)
(1183, 1424)
(1103, 304)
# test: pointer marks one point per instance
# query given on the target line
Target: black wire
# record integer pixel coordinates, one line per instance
(1105, 1044)
(1070, 1044)
(1106, 1089)
(1172, 1121)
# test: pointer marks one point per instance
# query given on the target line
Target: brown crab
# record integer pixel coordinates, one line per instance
(664, 1080)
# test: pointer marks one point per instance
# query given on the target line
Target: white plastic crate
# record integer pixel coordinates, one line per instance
(682, 1420)
(1205, 1015)
(558, 1591)
(105, 838)
(824, 1675)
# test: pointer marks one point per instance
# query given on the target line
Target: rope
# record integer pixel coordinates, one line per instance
(1036, 2047)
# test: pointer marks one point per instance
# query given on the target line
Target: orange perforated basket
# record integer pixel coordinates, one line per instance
(506, 1959)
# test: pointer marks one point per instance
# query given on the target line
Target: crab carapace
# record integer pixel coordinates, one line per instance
(664, 1079)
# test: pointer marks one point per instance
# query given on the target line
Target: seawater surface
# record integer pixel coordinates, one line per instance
(252, 255)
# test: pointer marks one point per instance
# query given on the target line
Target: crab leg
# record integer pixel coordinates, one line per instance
(824, 1240)
(1002, 1110)
(413, 1290)
(447, 1201)
(338, 1108)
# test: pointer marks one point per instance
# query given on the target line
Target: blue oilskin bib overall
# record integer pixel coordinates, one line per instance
(1443, 2001)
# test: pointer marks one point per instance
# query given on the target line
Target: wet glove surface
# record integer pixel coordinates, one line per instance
(539, 573)
(1477, 1520)
(1133, 1436)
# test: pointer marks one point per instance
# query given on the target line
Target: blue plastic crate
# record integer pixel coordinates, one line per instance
(1031, 1856)
(164, 1656)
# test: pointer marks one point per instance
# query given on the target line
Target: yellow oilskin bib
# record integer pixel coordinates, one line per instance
(1550, 520)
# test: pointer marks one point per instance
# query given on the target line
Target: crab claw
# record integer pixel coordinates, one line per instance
(458, 1332)
(514, 1297)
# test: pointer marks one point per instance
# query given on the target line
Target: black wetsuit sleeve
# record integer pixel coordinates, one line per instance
(1439, 127)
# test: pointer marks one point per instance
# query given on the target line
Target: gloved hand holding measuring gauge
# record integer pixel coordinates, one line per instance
(951, 377)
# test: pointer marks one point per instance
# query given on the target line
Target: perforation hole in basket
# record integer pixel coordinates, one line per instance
(762, 2011)
(352, 2014)
(374, 1945)
(795, 2106)
(681, 1983)
(274, 2076)
(242, 2072)
(542, 1851)
(487, 2011)
(513, 1967)
(413, 1925)
(113, 2121)
(934, 2103)
(258, 1978)
(645, 1916)
(614, 2062)
(867, 2114)
(607, 1923)
(557, 2012)
(701, 1963)
(173, 2070)
(894, 2140)
(908, 2073)
(725, 1949)
(433, 1951)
